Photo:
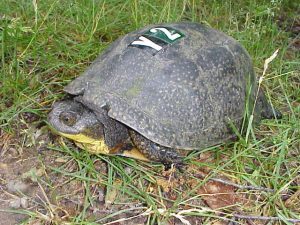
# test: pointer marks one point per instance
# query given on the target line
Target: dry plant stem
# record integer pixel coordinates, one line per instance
(234, 216)
(128, 218)
(266, 65)
(244, 187)
(267, 218)
(182, 213)
(250, 222)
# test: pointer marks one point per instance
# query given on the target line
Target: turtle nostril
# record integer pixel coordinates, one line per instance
(68, 118)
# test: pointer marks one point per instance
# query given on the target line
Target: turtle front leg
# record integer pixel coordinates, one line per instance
(156, 152)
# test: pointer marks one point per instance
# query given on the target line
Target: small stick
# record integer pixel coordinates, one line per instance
(245, 187)
(269, 218)
(231, 217)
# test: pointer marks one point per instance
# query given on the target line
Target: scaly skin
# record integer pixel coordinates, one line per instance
(155, 152)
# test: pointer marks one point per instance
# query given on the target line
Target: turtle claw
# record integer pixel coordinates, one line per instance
(178, 165)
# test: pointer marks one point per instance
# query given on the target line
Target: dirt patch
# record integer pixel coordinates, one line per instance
(30, 181)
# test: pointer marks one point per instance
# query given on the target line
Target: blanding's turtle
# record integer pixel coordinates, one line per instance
(160, 91)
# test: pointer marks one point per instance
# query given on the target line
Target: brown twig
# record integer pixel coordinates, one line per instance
(232, 217)
(244, 187)
(267, 218)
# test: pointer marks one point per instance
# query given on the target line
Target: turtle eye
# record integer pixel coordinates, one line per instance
(68, 118)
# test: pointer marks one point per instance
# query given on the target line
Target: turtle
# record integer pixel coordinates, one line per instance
(160, 92)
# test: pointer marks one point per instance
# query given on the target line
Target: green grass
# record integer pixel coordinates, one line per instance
(44, 46)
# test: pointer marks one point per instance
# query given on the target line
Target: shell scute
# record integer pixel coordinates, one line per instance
(182, 96)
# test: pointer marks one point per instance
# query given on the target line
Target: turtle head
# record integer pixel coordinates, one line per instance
(73, 120)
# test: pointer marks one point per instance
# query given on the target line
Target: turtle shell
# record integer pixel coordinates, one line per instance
(178, 84)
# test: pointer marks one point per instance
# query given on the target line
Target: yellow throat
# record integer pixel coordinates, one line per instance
(87, 143)
(99, 147)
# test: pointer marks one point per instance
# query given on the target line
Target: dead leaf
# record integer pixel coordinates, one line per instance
(164, 184)
(112, 192)
(218, 195)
